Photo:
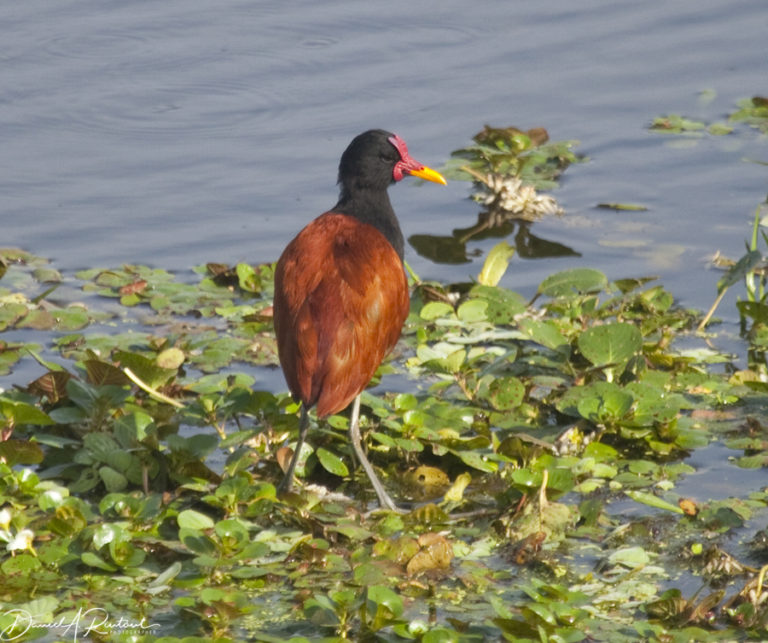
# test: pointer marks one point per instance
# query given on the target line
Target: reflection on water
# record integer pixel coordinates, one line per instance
(453, 249)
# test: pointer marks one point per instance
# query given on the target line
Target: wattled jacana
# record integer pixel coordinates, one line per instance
(341, 295)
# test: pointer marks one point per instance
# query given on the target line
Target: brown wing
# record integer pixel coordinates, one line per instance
(341, 298)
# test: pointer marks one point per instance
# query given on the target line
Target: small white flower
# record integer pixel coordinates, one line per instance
(22, 541)
(5, 518)
(510, 194)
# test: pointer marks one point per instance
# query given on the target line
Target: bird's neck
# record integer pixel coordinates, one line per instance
(374, 208)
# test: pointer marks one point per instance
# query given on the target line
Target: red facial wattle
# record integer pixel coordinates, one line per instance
(408, 165)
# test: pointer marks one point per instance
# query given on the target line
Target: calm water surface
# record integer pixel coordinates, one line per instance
(179, 132)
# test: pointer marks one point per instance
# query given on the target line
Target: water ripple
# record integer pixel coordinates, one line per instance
(94, 46)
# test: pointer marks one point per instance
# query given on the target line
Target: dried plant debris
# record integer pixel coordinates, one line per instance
(512, 196)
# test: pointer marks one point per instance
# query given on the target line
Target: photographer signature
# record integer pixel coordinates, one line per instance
(82, 624)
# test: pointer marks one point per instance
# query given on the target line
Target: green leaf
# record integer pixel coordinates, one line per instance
(248, 279)
(405, 402)
(573, 281)
(38, 320)
(132, 428)
(21, 564)
(651, 500)
(472, 310)
(42, 609)
(232, 530)
(125, 554)
(10, 313)
(368, 574)
(122, 461)
(92, 560)
(113, 480)
(440, 635)
(496, 264)
(477, 461)
(676, 124)
(604, 402)
(191, 519)
(546, 333)
(757, 461)
(71, 318)
(631, 557)
(442, 357)
(506, 393)
(753, 111)
(100, 445)
(170, 358)
(739, 270)
(526, 478)
(503, 304)
(146, 369)
(320, 610)
(23, 413)
(610, 343)
(14, 452)
(168, 575)
(106, 533)
(719, 129)
(46, 275)
(435, 310)
(332, 463)
(196, 541)
(382, 596)
(653, 405)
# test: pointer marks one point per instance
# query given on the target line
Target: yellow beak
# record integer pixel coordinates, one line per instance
(428, 174)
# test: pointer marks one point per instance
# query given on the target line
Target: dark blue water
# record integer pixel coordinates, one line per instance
(179, 132)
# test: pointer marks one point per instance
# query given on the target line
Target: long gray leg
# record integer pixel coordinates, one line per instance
(287, 483)
(354, 436)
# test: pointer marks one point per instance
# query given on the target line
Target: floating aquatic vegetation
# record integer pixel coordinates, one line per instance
(509, 169)
(753, 111)
(509, 166)
(677, 124)
(542, 445)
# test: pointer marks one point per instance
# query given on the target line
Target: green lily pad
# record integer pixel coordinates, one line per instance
(502, 305)
(610, 344)
(506, 393)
